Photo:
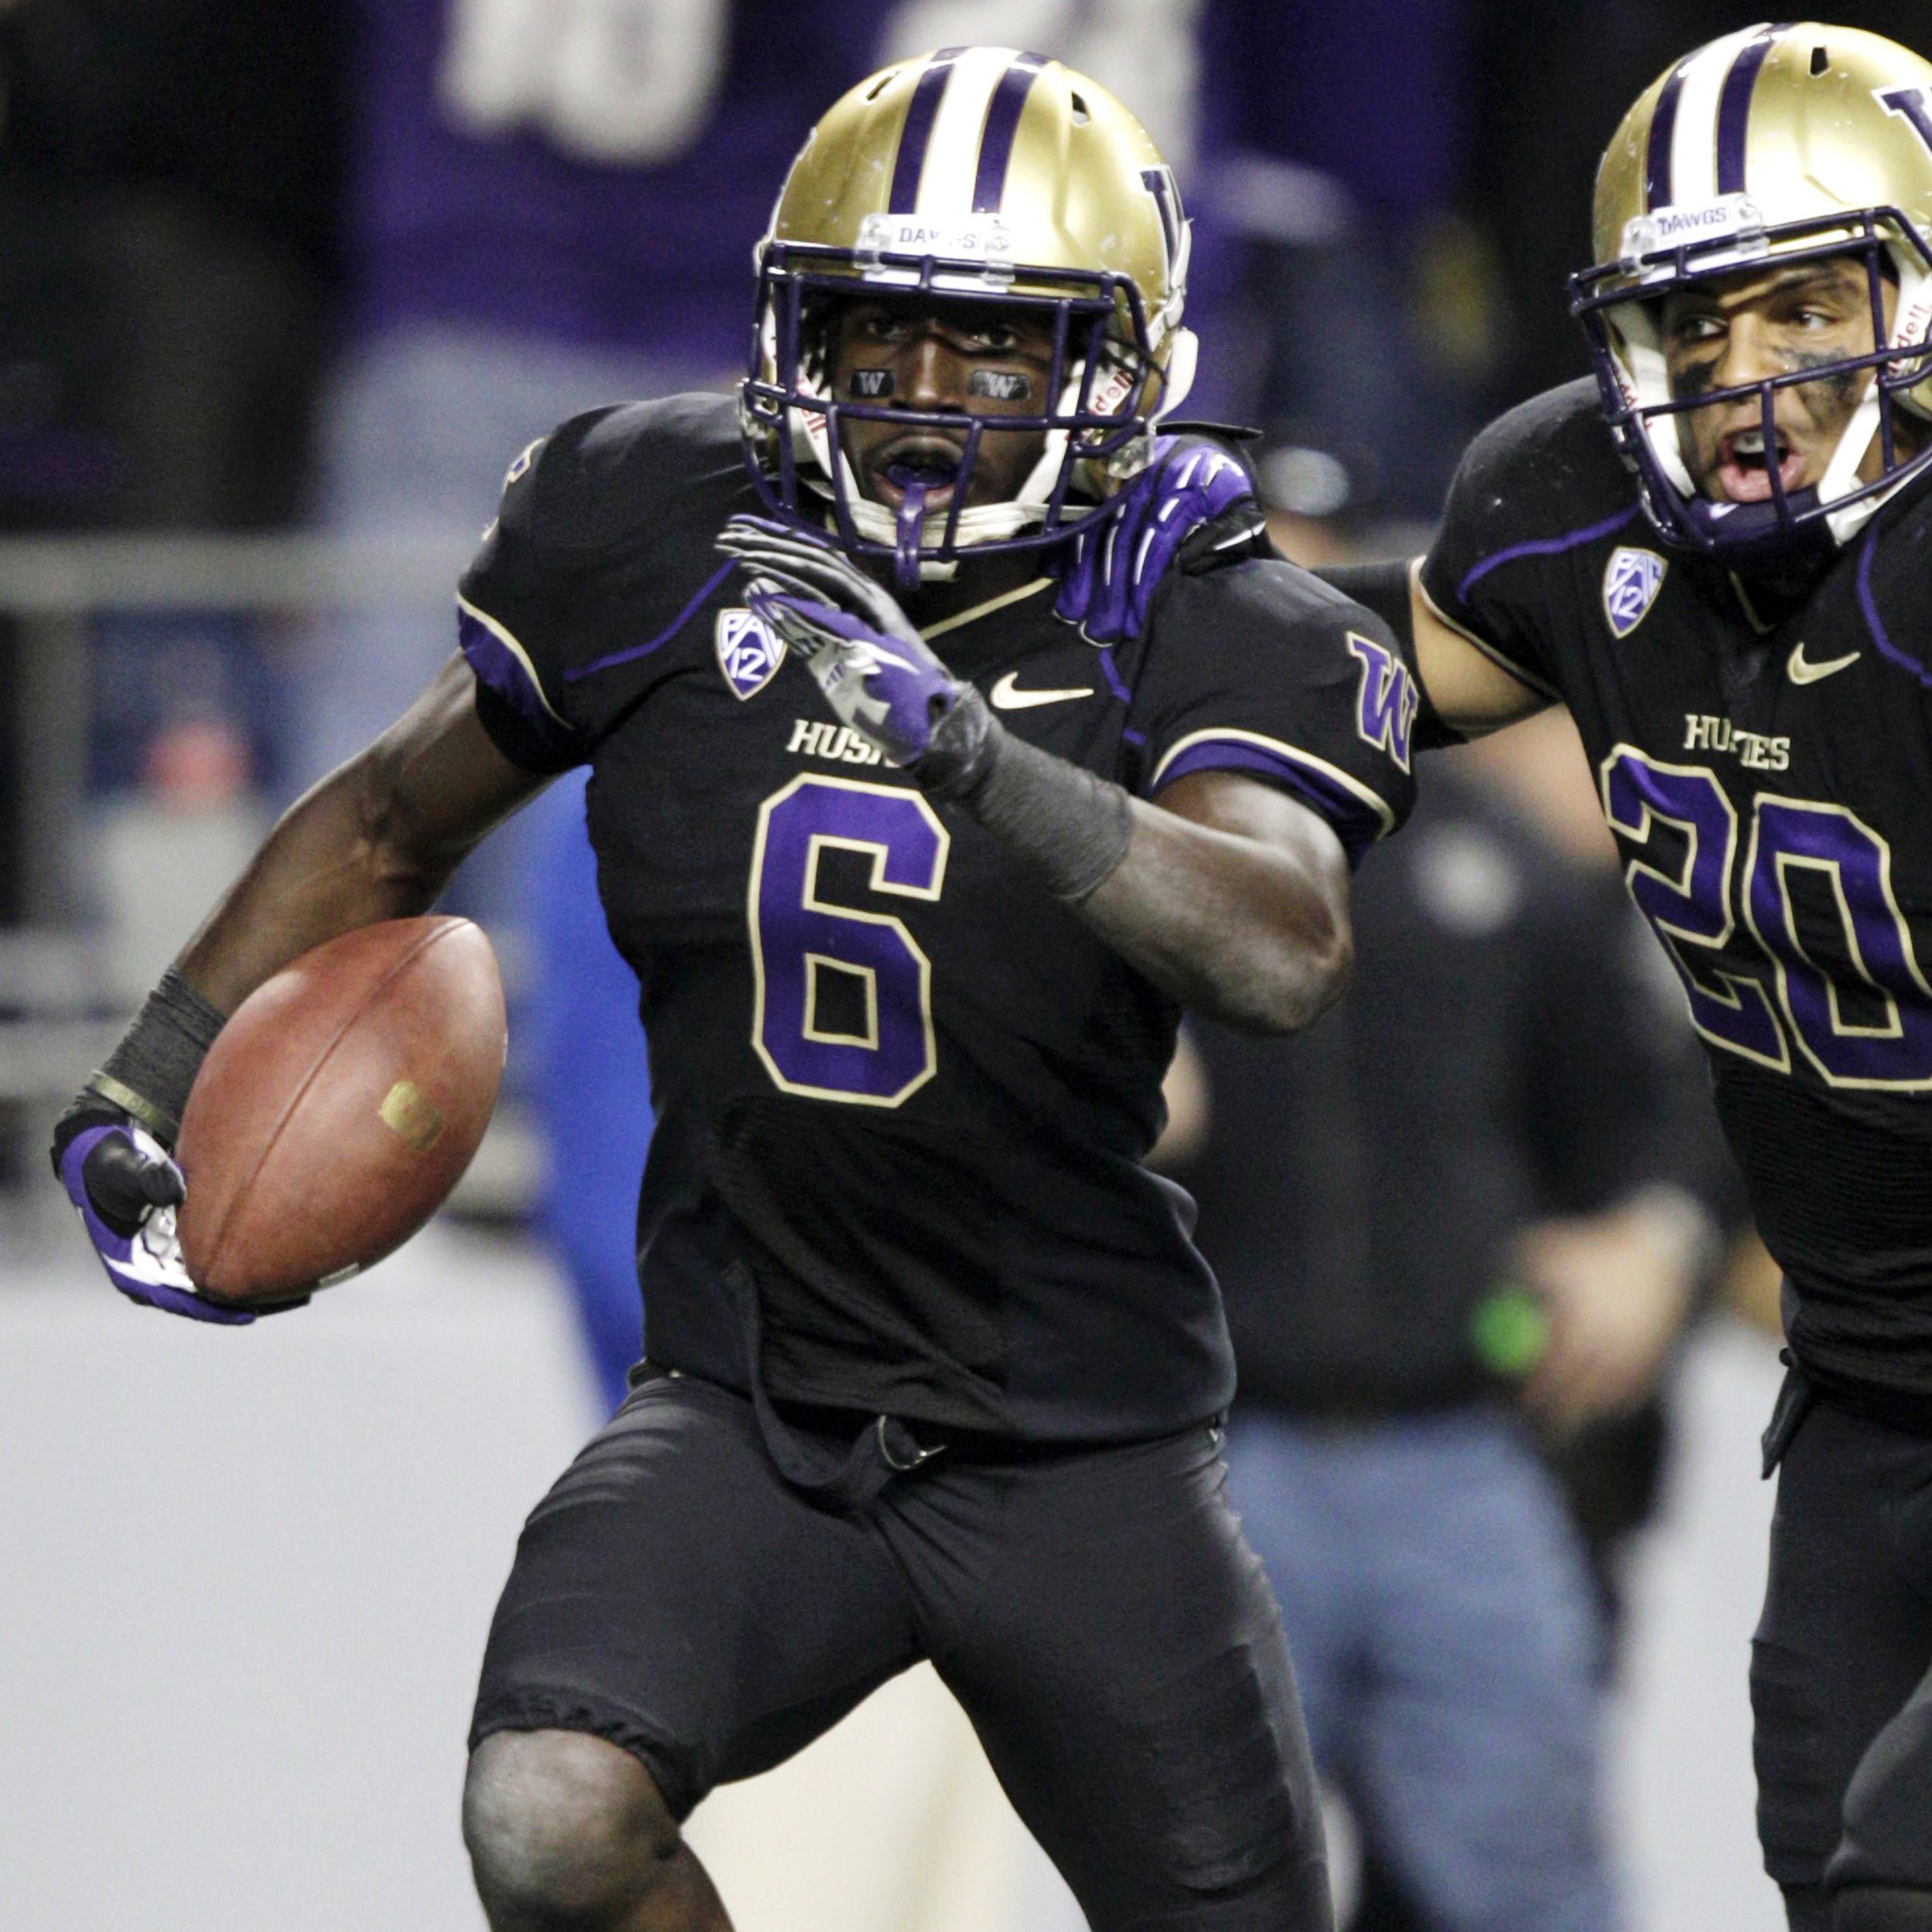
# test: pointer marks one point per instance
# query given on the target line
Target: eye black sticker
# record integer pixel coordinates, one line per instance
(999, 385)
(871, 383)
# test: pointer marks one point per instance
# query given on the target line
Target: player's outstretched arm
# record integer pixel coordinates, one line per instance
(377, 840)
(1230, 897)
(1471, 693)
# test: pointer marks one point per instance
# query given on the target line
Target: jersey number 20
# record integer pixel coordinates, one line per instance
(1854, 999)
(844, 996)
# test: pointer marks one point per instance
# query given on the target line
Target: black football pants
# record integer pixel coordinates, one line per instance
(1096, 1612)
(1840, 1688)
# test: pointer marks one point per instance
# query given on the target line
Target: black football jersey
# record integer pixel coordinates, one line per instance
(1766, 765)
(896, 1083)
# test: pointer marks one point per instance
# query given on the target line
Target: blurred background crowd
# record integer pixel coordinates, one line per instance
(284, 288)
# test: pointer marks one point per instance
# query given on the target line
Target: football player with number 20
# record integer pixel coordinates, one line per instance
(1719, 556)
(924, 794)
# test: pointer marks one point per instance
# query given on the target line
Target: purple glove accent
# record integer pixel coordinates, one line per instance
(1108, 576)
(912, 528)
(892, 689)
(146, 1266)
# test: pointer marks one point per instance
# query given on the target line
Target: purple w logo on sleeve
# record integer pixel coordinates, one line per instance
(1386, 705)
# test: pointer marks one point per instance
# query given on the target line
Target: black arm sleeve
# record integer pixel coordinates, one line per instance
(511, 620)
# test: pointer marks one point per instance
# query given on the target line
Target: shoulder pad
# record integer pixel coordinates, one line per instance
(1547, 464)
(599, 479)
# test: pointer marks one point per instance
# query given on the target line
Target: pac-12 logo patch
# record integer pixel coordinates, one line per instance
(1631, 585)
(748, 651)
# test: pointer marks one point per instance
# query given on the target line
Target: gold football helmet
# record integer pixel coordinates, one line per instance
(987, 176)
(1778, 144)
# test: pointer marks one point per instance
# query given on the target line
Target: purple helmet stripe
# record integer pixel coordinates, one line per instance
(1734, 109)
(1663, 132)
(996, 137)
(918, 132)
(1159, 183)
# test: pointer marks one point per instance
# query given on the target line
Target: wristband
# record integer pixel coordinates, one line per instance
(1071, 827)
(149, 1074)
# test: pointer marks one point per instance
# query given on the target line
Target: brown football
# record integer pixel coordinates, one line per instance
(337, 1107)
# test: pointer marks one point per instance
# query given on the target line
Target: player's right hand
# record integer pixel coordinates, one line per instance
(126, 1189)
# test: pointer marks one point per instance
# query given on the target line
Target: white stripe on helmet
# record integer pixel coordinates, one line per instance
(1693, 148)
(952, 154)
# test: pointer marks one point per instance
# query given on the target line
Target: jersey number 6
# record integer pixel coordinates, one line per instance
(844, 1001)
(1848, 983)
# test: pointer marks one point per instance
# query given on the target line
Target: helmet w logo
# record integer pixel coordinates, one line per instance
(1915, 104)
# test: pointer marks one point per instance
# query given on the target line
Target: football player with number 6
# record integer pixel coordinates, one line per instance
(925, 793)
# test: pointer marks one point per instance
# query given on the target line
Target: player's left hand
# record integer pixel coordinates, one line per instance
(1193, 501)
(126, 1189)
(879, 675)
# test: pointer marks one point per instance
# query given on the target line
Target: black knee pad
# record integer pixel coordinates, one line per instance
(1883, 1908)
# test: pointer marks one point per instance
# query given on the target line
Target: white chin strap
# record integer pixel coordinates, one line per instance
(1183, 359)
(978, 522)
(1645, 383)
(1914, 317)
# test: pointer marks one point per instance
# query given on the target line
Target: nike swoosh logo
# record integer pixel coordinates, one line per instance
(1007, 696)
(1801, 672)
